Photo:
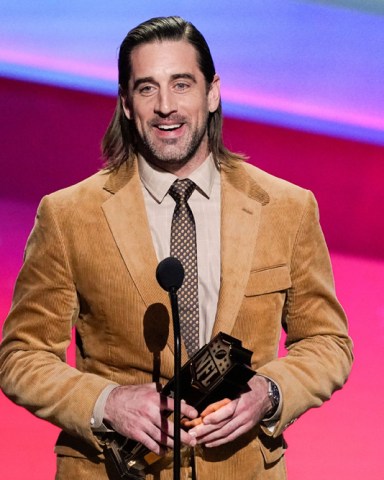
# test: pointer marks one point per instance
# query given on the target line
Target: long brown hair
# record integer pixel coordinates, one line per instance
(119, 143)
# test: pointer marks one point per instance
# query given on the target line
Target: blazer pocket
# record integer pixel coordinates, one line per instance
(268, 280)
(272, 449)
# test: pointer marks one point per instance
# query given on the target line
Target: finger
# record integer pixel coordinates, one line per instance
(153, 446)
(212, 435)
(168, 432)
(167, 404)
(213, 407)
(187, 439)
(191, 423)
(226, 432)
(154, 440)
(188, 410)
(221, 440)
(202, 431)
(221, 414)
(210, 409)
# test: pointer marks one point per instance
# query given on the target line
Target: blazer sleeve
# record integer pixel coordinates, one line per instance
(319, 354)
(37, 333)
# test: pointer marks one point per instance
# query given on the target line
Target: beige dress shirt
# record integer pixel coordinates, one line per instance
(205, 205)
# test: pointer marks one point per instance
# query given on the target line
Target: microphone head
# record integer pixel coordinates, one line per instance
(170, 274)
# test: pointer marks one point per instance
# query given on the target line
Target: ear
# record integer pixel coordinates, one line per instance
(214, 94)
(126, 107)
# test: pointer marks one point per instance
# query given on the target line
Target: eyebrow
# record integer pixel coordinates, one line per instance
(175, 76)
(188, 76)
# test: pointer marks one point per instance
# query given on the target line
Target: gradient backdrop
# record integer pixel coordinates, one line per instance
(303, 97)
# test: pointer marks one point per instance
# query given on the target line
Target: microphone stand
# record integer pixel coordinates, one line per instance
(170, 275)
(177, 393)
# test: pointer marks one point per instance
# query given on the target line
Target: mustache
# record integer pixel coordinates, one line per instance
(173, 118)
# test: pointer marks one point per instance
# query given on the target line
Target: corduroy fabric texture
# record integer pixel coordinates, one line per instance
(90, 263)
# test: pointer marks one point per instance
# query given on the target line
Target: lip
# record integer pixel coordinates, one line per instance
(169, 126)
(168, 131)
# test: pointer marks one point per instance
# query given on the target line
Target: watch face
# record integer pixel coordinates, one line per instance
(274, 394)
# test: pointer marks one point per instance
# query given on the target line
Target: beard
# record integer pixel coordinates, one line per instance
(173, 153)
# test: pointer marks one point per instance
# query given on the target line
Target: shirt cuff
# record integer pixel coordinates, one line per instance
(96, 421)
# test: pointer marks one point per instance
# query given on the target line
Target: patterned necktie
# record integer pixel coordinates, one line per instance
(183, 247)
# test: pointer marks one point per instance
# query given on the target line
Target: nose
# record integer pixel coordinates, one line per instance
(165, 103)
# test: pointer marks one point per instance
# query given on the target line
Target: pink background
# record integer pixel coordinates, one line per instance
(50, 138)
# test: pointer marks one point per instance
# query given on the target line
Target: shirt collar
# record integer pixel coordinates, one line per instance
(158, 182)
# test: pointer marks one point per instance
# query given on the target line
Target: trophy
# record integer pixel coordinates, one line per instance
(220, 369)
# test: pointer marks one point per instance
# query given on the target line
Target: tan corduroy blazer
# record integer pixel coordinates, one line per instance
(90, 262)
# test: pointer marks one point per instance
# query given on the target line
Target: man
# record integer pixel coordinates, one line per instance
(90, 262)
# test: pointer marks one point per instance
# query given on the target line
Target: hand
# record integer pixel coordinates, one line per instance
(139, 412)
(236, 417)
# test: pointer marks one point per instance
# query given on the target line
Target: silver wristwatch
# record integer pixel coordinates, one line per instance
(274, 397)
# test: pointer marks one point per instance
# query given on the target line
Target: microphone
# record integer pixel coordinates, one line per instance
(170, 274)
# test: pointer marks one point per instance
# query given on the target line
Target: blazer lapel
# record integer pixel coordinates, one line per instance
(127, 218)
(241, 204)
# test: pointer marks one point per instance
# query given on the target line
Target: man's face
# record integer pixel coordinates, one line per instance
(169, 103)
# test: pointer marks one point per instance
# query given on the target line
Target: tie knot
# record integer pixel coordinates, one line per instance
(182, 189)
